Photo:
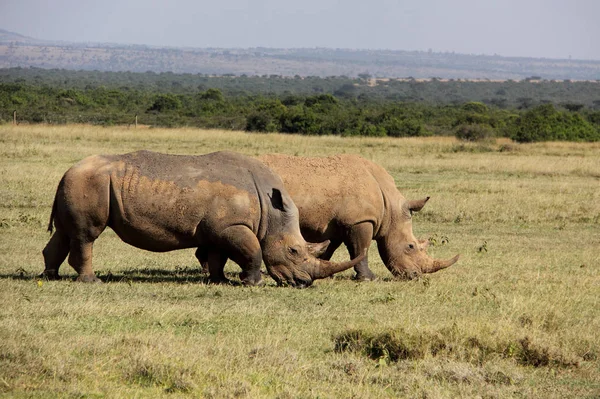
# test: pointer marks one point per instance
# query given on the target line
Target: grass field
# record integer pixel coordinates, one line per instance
(517, 316)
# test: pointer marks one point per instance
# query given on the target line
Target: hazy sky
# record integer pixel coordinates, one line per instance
(535, 28)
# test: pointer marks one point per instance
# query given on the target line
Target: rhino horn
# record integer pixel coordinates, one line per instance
(416, 205)
(438, 264)
(326, 268)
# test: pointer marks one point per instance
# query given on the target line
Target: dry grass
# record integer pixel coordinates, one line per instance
(517, 316)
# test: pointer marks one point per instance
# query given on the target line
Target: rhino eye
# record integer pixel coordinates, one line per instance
(411, 246)
(293, 251)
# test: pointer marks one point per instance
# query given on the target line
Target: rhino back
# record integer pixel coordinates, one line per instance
(335, 191)
(173, 201)
(187, 170)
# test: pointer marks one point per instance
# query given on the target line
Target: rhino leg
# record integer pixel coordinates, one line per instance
(215, 261)
(359, 240)
(55, 254)
(330, 250)
(80, 258)
(242, 246)
(202, 256)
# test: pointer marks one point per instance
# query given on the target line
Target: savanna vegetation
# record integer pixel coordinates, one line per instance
(526, 111)
(518, 316)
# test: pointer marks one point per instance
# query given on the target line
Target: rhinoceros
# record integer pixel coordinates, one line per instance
(227, 205)
(348, 199)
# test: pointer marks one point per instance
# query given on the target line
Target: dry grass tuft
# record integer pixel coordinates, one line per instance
(398, 345)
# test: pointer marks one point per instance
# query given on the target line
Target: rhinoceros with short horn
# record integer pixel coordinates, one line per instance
(225, 204)
(348, 199)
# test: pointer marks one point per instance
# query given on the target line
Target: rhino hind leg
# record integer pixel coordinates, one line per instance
(215, 263)
(80, 258)
(55, 253)
(202, 256)
(242, 246)
(358, 240)
(330, 250)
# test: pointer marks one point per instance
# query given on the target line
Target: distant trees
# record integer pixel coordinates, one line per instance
(544, 123)
(212, 94)
(165, 103)
(508, 94)
(474, 132)
(332, 106)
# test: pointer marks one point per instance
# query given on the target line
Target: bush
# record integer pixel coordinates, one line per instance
(212, 94)
(165, 102)
(262, 122)
(474, 132)
(475, 107)
(369, 129)
(403, 127)
(545, 123)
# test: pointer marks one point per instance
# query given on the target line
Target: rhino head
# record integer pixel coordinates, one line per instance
(288, 257)
(404, 255)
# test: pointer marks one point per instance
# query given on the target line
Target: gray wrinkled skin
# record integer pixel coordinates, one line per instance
(226, 205)
(348, 199)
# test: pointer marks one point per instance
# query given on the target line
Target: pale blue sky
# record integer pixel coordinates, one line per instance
(534, 28)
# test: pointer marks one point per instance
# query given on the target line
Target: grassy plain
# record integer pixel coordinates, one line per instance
(518, 316)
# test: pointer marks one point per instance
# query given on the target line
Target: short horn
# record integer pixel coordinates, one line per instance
(417, 205)
(326, 269)
(440, 264)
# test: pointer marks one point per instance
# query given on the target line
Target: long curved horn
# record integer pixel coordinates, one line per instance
(416, 205)
(437, 264)
(326, 268)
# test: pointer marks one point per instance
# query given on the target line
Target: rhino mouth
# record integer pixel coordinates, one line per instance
(301, 283)
(296, 283)
(406, 274)
(290, 281)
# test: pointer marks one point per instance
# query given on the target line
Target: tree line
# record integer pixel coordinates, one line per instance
(341, 111)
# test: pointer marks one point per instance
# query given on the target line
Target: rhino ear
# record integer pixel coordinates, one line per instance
(277, 200)
(317, 249)
(416, 205)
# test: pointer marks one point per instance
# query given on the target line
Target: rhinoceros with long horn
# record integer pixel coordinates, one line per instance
(348, 199)
(227, 205)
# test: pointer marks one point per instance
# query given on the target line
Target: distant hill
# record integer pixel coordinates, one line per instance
(7, 37)
(20, 51)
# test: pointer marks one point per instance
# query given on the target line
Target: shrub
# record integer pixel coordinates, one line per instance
(475, 107)
(474, 132)
(165, 102)
(544, 123)
(403, 127)
(261, 122)
(212, 94)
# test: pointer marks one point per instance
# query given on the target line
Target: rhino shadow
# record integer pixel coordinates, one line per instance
(143, 275)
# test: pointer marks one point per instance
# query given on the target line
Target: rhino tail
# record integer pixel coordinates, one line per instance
(51, 223)
(54, 206)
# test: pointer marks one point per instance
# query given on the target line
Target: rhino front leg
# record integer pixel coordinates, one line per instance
(242, 246)
(359, 240)
(80, 258)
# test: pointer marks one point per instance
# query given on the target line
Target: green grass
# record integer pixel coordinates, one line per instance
(518, 316)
